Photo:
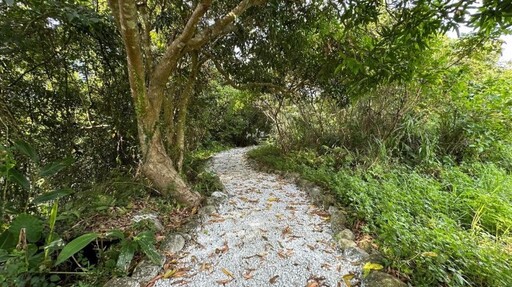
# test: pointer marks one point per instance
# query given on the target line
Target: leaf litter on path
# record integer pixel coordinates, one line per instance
(266, 234)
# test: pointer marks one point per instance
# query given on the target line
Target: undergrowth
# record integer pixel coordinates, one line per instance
(441, 225)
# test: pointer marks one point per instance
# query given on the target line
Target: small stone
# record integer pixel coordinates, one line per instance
(216, 198)
(207, 209)
(376, 257)
(356, 254)
(338, 221)
(293, 176)
(328, 200)
(381, 279)
(345, 243)
(174, 243)
(122, 282)
(151, 217)
(346, 234)
(145, 271)
(218, 194)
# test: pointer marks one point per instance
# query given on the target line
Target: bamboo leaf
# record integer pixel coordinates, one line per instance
(146, 241)
(19, 178)
(126, 255)
(55, 167)
(52, 195)
(75, 245)
(27, 150)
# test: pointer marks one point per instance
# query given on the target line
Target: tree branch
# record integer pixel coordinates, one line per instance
(218, 28)
(251, 85)
(170, 58)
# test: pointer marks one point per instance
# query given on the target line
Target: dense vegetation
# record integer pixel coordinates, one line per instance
(110, 109)
(424, 166)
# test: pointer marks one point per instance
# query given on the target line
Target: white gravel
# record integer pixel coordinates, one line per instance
(267, 233)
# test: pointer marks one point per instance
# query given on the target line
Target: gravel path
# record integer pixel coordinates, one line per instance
(267, 233)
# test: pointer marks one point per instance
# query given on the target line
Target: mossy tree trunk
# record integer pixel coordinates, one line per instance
(148, 80)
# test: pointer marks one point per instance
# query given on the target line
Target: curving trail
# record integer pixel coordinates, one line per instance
(266, 233)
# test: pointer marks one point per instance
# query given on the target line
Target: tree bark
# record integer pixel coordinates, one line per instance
(182, 111)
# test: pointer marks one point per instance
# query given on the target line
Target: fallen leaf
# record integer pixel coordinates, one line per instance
(248, 274)
(225, 281)
(223, 249)
(169, 273)
(347, 278)
(273, 279)
(312, 284)
(206, 267)
(369, 266)
(227, 272)
(287, 230)
(273, 199)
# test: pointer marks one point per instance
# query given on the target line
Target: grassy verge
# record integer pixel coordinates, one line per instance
(450, 226)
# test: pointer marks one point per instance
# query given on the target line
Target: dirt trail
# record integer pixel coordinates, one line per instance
(266, 233)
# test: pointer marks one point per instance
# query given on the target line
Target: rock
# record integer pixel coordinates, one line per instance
(145, 271)
(338, 221)
(328, 200)
(207, 209)
(220, 195)
(381, 279)
(216, 198)
(356, 254)
(316, 194)
(122, 282)
(376, 257)
(345, 243)
(346, 234)
(150, 217)
(293, 176)
(174, 243)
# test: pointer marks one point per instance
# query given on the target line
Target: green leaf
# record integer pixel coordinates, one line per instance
(74, 246)
(7, 240)
(125, 257)
(115, 234)
(369, 266)
(52, 195)
(55, 167)
(27, 150)
(33, 227)
(19, 178)
(146, 241)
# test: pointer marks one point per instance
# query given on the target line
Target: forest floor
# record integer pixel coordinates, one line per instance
(266, 233)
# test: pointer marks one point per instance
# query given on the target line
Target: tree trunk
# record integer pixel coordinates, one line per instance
(182, 111)
(158, 167)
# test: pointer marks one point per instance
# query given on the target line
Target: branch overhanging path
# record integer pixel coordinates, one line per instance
(267, 233)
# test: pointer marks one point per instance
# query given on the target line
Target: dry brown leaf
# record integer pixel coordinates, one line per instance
(312, 284)
(273, 280)
(225, 281)
(248, 274)
(223, 249)
(205, 266)
(287, 230)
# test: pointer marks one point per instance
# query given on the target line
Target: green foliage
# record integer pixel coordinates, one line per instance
(74, 246)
